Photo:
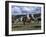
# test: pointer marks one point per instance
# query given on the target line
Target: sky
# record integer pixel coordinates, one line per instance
(23, 10)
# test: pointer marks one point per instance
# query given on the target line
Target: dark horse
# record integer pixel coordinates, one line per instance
(25, 19)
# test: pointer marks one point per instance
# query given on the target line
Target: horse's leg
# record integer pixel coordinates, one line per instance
(24, 23)
(17, 21)
(29, 22)
(37, 21)
(12, 21)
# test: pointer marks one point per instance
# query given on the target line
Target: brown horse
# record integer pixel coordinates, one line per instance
(25, 19)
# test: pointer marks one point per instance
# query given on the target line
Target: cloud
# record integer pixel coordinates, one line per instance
(16, 10)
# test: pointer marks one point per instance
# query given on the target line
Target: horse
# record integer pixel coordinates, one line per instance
(36, 18)
(25, 19)
(15, 20)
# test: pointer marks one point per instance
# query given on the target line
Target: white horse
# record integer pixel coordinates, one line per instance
(18, 20)
(35, 19)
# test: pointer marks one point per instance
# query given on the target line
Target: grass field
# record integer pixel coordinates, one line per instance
(20, 27)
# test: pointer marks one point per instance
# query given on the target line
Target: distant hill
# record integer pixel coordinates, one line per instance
(18, 16)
